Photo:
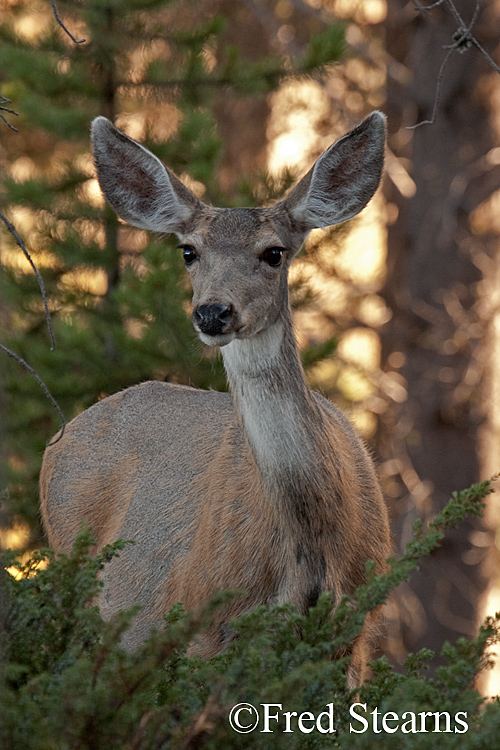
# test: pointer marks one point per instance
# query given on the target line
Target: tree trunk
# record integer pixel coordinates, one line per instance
(434, 337)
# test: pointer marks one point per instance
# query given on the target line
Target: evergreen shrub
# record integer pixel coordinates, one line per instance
(66, 682)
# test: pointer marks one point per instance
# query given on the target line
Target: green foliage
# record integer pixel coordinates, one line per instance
(328, 45)
(118, 303)
(50, 606)
(66, 682)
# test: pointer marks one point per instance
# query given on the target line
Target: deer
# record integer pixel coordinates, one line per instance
(267, 489)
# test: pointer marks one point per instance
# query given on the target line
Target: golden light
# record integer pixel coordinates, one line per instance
(85, 164)
(90, 192)
(486, 217)
(90, 280)
(362, 256)
(197, 187)
(14, 571)
(23, 218)
(361, 11)
(398, 173)
(32, 26)
(373, 311)
(296, 110)
(90, 231)
(489, 682)
(16, 537)
(160, 121)
(22, 169)
(11, 256)
(361, 347)
(134, 125)
(354, 385)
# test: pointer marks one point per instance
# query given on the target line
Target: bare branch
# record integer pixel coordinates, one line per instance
(485, 54)
(3, 108)
(20, 243)
(476, 13)
(462, 41)
(458, 17)
(58, 19)
(42, 386)
(437, 95)
(423, 8)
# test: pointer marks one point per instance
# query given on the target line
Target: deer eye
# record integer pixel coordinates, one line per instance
(273, 256)
(189, 254)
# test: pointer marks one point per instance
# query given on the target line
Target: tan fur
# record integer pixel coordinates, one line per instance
(267, 491)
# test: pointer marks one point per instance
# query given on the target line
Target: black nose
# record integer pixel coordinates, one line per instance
(212, 319)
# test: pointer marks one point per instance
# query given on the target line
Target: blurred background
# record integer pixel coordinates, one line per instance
(397, 312)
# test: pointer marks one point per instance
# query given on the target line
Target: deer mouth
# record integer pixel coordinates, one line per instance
(219, 339)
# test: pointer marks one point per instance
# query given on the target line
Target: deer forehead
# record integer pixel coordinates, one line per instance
(240, 229)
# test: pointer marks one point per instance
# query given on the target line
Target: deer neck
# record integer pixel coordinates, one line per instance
(287, 435)
(279, 415)
(285, 430)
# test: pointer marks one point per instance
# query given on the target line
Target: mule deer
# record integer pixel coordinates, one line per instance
(266, 490)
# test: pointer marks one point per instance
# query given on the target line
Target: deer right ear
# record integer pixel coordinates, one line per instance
(136, 184)
(343, 179)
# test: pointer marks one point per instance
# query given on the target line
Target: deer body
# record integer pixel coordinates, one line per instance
(266, 490)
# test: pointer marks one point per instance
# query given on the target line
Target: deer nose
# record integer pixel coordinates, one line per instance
(212, 319)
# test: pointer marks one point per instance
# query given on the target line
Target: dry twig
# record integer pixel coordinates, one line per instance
(20, 243)
(462, 41)
(3, 108)
(12, 354)
(42, 386)
(61, 24)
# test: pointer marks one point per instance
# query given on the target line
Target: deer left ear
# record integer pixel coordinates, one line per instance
(136, 184)
(343, 179)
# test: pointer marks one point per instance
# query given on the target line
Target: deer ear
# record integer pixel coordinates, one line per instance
(343, 179)
(136, 184)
